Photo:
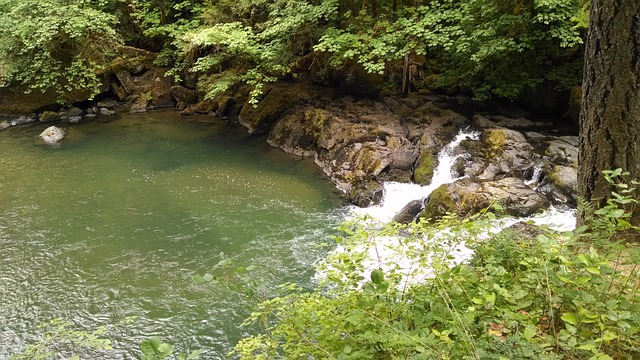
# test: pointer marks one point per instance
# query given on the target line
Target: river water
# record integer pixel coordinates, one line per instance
(109, 227)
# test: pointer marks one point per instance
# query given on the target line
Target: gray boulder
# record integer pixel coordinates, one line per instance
(52, 135)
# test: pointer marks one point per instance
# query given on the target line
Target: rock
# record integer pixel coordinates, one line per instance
(183, 96)
(563, 151)
(74, 119)
(119, 92)
(366, 193)
(49, 116)
(561, 187)
(127, 84)
(52, 135)
(521, 232)
(565, 178)
(156, 86)
(466, 197)
(108, 104)
(190, 80)
(503, 153)
(140, 105)
(73, 111)
(4, 124)
(483, 122)
(426, 164)
(226, 105)
(161, 89)
(22, 120)
(517, 123)
(258, 119)
(409, 212)
(106, 112)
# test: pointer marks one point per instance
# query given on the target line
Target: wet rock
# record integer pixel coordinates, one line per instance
(106, 112)
(409, 212)
(425, 166)
(108, 104)
(466, 197)
(52, 135)
(22, 120)
(73, 111)
(49, 116)
(366, 193)
(74, 119)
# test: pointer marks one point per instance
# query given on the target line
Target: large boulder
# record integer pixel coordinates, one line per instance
(466, 197)
(409, 212)
(499, 153)
(563, 150)
(259, 118)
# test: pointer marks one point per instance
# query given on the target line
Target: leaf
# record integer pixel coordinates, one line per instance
(164, 350)
(593, 270)
(198, 279)
(207, 277)
(377, 276)
(570, 318)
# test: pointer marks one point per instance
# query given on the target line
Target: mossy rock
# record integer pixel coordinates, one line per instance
(439, 203)
(425, 166)
(258, 119)
(494, 141)
(16, 100)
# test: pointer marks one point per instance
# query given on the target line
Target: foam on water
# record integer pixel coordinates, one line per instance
(398, 254)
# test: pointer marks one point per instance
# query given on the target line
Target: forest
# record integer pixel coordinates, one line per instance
(527, 291)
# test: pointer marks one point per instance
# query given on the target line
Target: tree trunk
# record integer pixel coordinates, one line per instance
(610, 113)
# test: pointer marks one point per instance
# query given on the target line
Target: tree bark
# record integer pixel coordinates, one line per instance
(610, 112)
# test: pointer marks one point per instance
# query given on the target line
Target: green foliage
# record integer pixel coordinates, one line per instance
(55, 44)
(492, 47)
(526, 293)
(262, 47)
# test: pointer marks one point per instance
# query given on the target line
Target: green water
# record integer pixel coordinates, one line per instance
(114, 222)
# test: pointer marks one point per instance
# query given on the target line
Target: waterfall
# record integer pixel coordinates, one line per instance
(397, 195)
(386, 252)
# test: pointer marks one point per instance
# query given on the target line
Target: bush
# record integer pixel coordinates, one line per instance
(526, 293)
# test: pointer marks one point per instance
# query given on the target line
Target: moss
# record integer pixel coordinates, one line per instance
(494, 141)
(439, 203)
(423, 173)
(260, 118)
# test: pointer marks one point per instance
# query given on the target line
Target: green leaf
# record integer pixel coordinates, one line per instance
(570, 318)
(593, 270)
(377, 276)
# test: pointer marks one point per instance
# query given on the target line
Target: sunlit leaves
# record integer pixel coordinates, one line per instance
(45, 43)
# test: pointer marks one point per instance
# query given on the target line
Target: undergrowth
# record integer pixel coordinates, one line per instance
(526, 292)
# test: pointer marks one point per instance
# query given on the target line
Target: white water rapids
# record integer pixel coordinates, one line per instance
(400, 255)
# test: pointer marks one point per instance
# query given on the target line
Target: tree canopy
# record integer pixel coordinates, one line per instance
(492, 48)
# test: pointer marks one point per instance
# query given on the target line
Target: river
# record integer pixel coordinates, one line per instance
(108, 228)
